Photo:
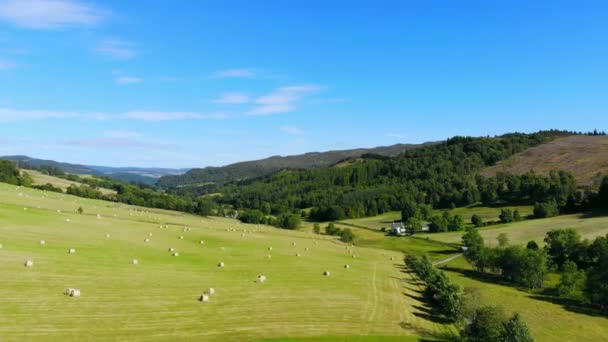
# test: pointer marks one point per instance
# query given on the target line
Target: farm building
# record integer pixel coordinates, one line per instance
(397, 228)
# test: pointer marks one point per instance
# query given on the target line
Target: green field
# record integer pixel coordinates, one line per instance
(524, 231)
(157, 299)
(40, 178)
(487, 213)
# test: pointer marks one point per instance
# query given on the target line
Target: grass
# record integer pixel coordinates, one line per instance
(157, 299)
(41, 179)
(524, 231)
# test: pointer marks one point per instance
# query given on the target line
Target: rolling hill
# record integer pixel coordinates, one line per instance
(262, 167)
(585, 156)
(127, 174)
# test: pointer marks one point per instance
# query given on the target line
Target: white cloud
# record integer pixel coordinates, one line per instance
(293, 130)
(128, 80)
(48, 14)
(12, 115)
(395, 135)
(116, 49)
(232, 73)
(5, 65)
(18, 115)
(232, 98)
(119, 134)
(282, 100)
(170, 116)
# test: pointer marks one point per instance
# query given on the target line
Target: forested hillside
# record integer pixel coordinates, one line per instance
(443, 175)
(207, 179)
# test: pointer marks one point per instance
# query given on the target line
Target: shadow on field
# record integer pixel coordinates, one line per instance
(431, 336)
(594, 214)
(570, 305)
(479, 276)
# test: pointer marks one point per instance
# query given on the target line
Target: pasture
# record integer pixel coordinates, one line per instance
(521, 232)
(157, 298)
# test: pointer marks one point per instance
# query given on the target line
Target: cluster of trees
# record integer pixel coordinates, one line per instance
(286, 220)
(11, 175)
(478, 323)
(346, 234)
(583, 265)
(489, 323)
(525, 267)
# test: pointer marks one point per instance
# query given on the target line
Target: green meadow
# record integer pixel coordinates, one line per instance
(157, 299)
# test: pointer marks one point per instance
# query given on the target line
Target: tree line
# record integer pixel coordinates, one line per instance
(477, 323)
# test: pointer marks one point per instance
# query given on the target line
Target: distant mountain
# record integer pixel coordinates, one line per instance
(262, 167)
(128, 174)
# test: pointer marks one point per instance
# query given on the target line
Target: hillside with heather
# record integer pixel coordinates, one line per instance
(585, 156)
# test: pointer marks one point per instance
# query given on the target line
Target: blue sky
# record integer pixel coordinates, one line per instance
(195, 83)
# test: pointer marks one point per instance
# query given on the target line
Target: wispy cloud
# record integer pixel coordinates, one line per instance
(235, 73)
(293, 130)
(283, 100)
(395, 135)
(128, 80)
(122, 134)
(5, 64)
(49, 14)
(170, 116)
(116, 49)
(233, 98)
(18, 115)
(12, 115)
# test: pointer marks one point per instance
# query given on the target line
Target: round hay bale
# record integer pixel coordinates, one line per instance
(261, 278)
(171, 249)
(67, 220)
(75, 293)
(269, 256)
(221, 264)
(347, 266)
(211, 291)
(270, 248)
(392, 258)
(326, 273)
(146, 240)
(204, 297)
(175, 254)
(98, 216)
(202, 242)
(71, 251)
(150, 234)
(135, 262)
(42, 242)
(107, 236)
(298, 254)
(29, 263)
(306, 249)
(181, 237)
(293, 243)
(58, 211)
(1, 246)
